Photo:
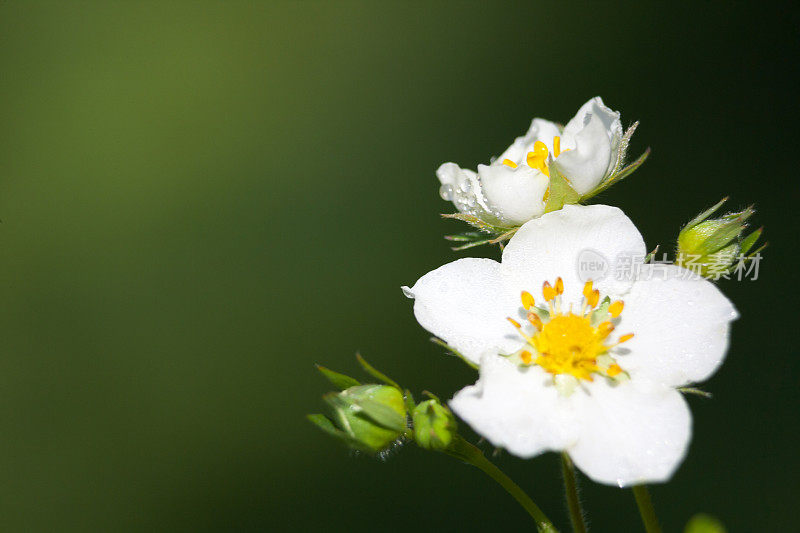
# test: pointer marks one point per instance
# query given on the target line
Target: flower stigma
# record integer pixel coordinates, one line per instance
(571, 346)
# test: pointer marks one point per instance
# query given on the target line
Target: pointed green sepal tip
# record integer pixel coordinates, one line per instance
(340, 381)
(703, 523)
(435, 426)
(369, 418)
(560, 192)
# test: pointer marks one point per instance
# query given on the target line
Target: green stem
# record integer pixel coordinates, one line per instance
(646, 509)
(571, 493)
(463, 450)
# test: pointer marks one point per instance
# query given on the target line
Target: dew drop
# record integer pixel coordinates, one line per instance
(407, 292)
(466, 186)
(446, 192)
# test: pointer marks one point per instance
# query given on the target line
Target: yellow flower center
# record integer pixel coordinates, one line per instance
(538, 157)
(569, 343)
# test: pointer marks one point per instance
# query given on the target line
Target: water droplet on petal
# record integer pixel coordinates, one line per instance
(446, 192)
(407, 292)
(466, 186)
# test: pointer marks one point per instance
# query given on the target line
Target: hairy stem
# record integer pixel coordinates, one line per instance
(463, 450)
(571, 494)
(646, 509)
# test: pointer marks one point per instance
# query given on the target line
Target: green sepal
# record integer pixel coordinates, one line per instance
(324, 423)
(703, 523)
(340, 381)
(618, 176)
(455, 352)
(750, 240)
(381, 414)
(601, 313)
(695, 391)
(478, 223)
(375, 373)
(561, 192)
(705, 214)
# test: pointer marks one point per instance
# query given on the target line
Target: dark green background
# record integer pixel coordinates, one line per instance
(201, 200)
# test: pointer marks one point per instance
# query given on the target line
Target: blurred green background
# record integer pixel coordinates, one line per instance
(201, 200)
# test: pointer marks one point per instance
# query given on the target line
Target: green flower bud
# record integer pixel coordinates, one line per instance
(434, 425)
(703, 523)
(369, 418)
(712, 247)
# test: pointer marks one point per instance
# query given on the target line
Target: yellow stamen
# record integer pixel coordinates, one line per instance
(534, 319)
(614, 370)
(509, 163)
(587, 290)
(594, 298)
(526, 357)
(514, 322)
(616, 308)
(559, 285)
(625, 338)
(556, 146)
(538, 158)
(605, 329)
(527, 300)
(549, 292)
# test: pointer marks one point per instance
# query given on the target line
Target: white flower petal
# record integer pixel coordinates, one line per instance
(466, 304)
(595, 107)
(586, 165)
(452, 174)
(680, 323)
(550, 246)
(540, 130)
(516, 193)
(517, 409)
(629, 436)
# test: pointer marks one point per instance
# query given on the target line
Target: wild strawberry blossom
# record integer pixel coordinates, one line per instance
(515, 187)
(589, 367)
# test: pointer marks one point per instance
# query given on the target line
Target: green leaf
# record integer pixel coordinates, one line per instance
(339, 381)
(375, 373)
(561, 192)
(455, 352)
(705, 214)
(703, 523)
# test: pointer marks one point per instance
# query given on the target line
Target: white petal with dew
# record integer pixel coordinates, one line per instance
(466, 303)
(629, 435)
(681, 324)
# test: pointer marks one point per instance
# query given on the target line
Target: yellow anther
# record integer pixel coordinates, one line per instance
(514, 323)
(509, 163)
(594, 298)
(538, 157)
(559, 285)
(587, 290)
(616, 308)
(556, 146)
(527, 300)
(534, 319)
(605, 329)
(548, 292)
(625, 338)
(614, 370)
(526, 357)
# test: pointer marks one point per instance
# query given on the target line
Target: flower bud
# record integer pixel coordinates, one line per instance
(711, 247)
(369, 418)
(434, 425)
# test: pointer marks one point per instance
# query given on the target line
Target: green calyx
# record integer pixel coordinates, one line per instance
(435, 426)
(713, 246)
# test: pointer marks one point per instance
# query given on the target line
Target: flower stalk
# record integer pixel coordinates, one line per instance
(571, 494)
(464, 451)
(646, 509)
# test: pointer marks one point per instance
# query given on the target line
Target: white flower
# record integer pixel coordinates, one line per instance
(513, 189)
(564, 381)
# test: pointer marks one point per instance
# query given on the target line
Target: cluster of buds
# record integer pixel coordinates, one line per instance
(713, 247)
(374, 418)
